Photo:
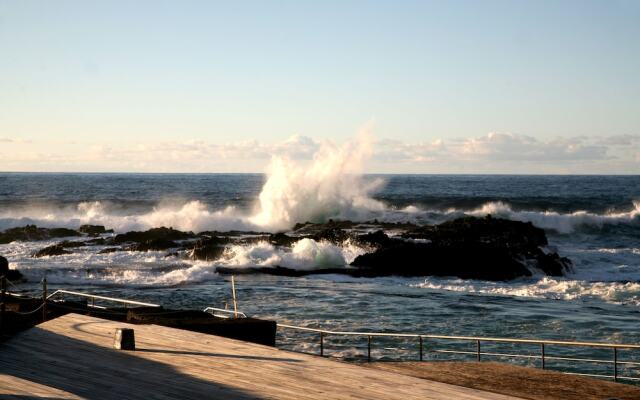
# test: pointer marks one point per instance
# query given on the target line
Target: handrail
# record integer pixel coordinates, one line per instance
(478, 352)
(468, 338)
(235, 314)
(94, 297)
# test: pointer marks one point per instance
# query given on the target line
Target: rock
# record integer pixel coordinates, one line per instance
(332, 235)
(94, 230)
(152, 245)
(281, 239)
(32, 233)
(208, 249)
(14, 275)
(375, 239)
(67, 244)
(55, 250)
(153, 234)
(469, 248)
(109, 250)
(424, 259)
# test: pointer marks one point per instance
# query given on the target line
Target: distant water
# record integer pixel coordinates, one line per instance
(593, 220)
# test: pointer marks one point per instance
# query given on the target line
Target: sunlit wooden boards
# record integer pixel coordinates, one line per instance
(73, 357)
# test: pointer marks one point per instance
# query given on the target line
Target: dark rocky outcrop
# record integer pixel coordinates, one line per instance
(94, 230)
(153, 234)
(333, 235)
(469, 248)
(32, 233)
(55, 250)
(281, 239)
(152, 245)
(208, 249)
(14, 275)
(109, 250)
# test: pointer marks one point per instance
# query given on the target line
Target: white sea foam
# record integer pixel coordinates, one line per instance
(305, 254)
(562, 223)
(545, 287)
(130, 268)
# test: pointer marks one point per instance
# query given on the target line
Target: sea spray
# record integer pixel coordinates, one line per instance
(331, 187)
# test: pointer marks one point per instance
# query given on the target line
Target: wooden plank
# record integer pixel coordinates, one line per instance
(72, 357)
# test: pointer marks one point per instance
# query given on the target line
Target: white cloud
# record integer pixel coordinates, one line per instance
(491, 153)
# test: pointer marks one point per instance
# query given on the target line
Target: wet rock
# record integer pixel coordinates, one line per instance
(55, 250)
(94, 230)
(333, 235)
(469, 248)
(69, 244)
(110, 250)
(375, 239)
(208, 249)
(96, 242)
(152, 245)
(281, 239)
(15, 275)
(162, 233)
(33, 233)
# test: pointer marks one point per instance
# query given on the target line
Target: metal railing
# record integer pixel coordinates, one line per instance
(94, 297)
(478, 353)
(224, 313)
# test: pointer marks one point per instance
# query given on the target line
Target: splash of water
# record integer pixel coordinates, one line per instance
(331, 187)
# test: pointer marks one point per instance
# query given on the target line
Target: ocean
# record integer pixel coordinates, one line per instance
(593, 220)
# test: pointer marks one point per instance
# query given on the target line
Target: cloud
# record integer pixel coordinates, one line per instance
(512, 147)
(494, 152)
(13, 140)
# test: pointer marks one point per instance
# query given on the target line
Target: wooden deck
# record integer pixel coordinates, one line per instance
(72, 357)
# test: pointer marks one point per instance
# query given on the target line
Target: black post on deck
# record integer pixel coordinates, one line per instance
(542, 353)
(420, 348)
(44, 299)
(321, 344)
(478, 349)
(369, 349)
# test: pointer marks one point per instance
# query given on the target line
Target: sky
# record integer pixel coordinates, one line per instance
(211, 86)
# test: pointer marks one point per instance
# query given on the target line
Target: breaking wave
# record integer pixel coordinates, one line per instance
(129, 268)
(561, 223)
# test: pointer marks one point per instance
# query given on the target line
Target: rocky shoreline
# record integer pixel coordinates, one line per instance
(469, 248)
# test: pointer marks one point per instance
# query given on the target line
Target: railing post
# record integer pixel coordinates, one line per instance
(615, 364)
(542, 351)
(478, 349)
(3, 299)
(321, 344)
(420, 348)
(44, 299)
(369, 349)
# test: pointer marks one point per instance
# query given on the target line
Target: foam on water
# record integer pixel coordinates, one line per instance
(562, 223)
(129, 268)
(305, 254)
(544, 287)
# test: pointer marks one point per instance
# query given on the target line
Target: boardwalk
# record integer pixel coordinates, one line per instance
(72, 358)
